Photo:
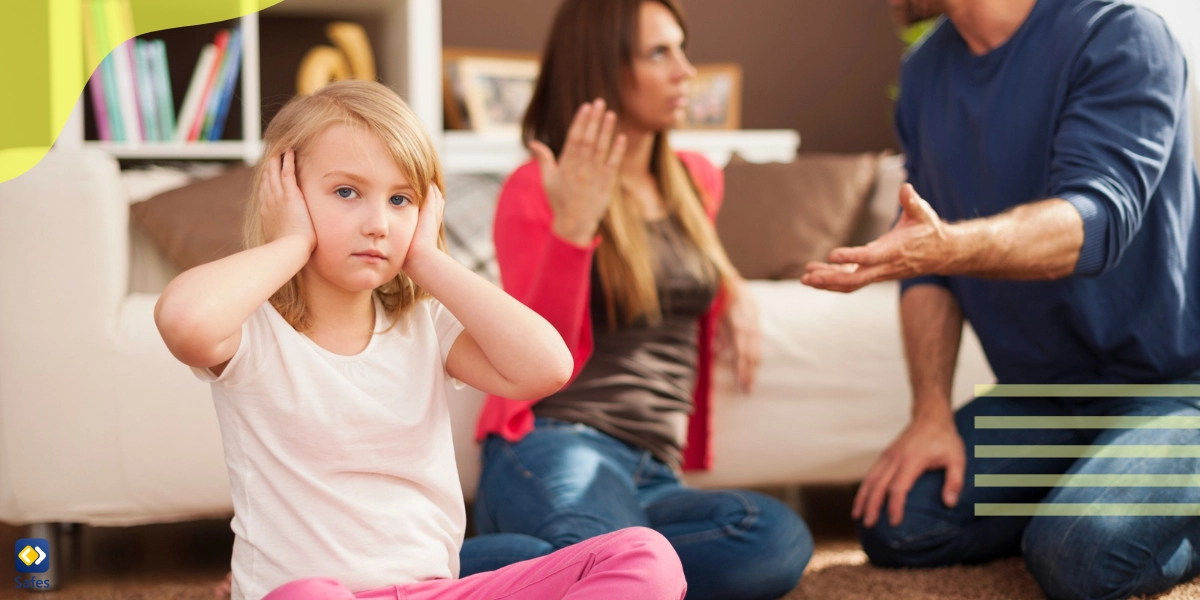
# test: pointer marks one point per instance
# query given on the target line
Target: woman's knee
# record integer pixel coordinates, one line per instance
(780, 532)
(567, 528)
(760, 550)
(784, 541)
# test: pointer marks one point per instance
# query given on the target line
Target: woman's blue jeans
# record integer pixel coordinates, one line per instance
(1085, 557)
(567, 482)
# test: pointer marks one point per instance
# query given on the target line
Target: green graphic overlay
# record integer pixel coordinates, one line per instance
(1087, 422)
(1129, 451)
(1090, 480)
(43, 70)
(1101, 390)
(1087, 510)
(1093, 480)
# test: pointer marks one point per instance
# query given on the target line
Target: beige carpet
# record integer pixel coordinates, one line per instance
(838, 571)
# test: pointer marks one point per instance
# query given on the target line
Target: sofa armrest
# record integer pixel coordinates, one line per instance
(98, 423)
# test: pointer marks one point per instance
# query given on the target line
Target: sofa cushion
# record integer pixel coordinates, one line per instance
(779, 216)
(200, 222)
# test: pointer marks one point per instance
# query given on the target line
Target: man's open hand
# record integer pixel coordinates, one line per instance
(919, 244)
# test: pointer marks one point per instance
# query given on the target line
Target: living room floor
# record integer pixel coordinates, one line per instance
(185, 561)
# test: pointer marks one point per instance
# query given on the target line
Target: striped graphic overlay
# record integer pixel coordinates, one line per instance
(1088, 479)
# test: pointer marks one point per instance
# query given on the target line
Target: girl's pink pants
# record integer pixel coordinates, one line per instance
(629, 564)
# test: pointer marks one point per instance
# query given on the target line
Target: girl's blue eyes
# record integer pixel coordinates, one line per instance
(347, 193)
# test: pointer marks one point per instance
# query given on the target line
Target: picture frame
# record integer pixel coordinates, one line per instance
(714, 97)
(487, 90)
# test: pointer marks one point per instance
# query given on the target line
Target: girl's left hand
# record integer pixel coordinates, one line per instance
(740, 328)
(429, 225)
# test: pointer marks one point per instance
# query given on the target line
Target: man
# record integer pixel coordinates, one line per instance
(1053, 205)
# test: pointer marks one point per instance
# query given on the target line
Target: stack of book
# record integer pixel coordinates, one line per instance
(131, 87)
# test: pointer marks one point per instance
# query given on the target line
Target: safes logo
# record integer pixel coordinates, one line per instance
(32, 555)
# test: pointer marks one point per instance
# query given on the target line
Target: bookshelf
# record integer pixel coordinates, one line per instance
(410, 34)
(407, 39)
(247, 149)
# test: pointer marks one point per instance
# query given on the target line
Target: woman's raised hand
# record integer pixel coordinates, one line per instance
(580, 183)
(284, 211)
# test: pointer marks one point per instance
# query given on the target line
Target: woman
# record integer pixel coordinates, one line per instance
(608, 234)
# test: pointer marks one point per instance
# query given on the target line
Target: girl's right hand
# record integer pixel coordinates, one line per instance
(580, 183)
(283, 210)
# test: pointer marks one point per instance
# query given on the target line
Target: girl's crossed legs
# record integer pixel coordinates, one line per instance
(630, 564)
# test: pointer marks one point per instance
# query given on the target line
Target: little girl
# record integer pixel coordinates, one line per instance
(328, 344)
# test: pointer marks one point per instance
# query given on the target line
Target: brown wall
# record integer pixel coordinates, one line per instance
(821, 67)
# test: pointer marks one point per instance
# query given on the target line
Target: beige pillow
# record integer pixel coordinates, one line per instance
(884, 205)
(201, 222)
(779, 216)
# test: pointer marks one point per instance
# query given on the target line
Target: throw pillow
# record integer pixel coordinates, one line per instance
(201, 222)
(884, 205)
(779, 216)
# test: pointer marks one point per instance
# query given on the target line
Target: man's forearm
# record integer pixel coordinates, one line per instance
(1039, 240)
(931, 324)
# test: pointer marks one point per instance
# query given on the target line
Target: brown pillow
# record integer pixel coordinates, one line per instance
(883, 207)
(201, 222)
(778, 216)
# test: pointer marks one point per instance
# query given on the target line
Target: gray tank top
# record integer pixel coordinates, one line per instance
(638, 384)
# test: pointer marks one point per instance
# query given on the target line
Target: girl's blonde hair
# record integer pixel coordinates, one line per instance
(378, 110)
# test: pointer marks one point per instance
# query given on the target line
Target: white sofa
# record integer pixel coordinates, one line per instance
(100, 425)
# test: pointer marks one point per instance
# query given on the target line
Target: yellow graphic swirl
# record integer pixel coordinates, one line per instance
(43, 68)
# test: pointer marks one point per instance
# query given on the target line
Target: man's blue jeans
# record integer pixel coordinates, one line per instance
(567, 482)
(1088, 557)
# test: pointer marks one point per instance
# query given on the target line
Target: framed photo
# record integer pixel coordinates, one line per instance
(715, 97)
(487, 90)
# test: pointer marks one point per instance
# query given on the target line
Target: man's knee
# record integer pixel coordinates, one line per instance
(926, 535)
(908, 544)
(1085, 558)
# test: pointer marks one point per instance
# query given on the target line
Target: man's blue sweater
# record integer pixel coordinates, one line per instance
(1086, 102)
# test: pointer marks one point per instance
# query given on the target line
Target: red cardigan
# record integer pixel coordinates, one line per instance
(553, 277)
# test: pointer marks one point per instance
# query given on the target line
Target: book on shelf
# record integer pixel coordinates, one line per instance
(162, 89)
(91, 52)
(191, 100)
(130, 89)
(214, 122)
(123, 69)
(148, 106)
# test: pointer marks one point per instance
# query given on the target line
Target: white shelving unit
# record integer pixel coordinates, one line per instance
(470, 152)
(410, 57)
(410, 53)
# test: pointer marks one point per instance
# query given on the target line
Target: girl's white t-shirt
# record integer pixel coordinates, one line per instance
(341, 466)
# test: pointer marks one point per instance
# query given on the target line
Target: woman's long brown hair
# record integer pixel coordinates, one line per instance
(589, 53)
